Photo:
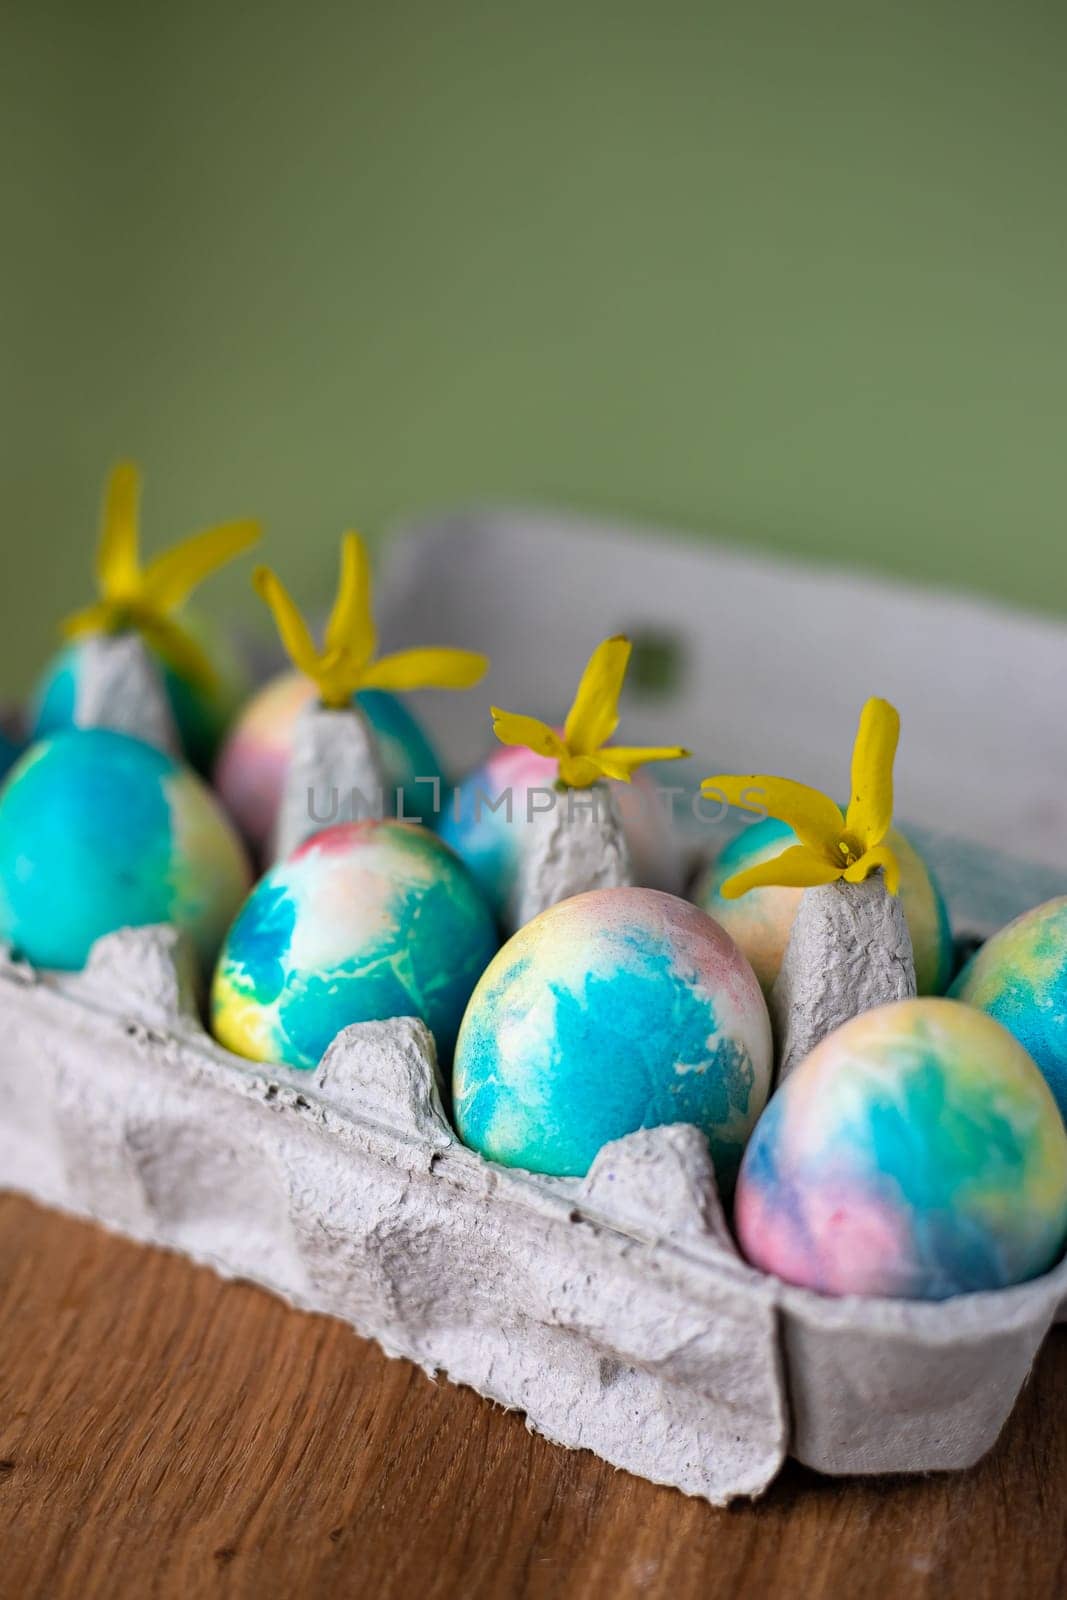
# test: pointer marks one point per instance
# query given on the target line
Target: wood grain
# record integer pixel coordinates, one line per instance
(165, 1434)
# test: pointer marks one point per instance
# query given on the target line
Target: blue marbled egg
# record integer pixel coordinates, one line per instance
(98, 832)
(365, 921)
(612, 1011)
(1019, 976)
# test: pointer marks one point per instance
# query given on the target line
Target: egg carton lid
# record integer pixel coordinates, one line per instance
(613, 1310)
(760, 664)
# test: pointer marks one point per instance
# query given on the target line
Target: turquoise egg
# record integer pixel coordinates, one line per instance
(1019, 976)
(201, 712)
(761, 921)
(612, 1011)
(98, 832)
(917, 1153)
(365, 921)
(9, 752)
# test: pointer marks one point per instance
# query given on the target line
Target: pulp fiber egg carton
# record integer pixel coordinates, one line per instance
(613, 1310)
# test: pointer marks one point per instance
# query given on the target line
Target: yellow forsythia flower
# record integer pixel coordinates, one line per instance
(582, 750)
(143, 599)
(833, 844)
(347, 661)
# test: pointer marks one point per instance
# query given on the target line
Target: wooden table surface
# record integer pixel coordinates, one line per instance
(164, 1433)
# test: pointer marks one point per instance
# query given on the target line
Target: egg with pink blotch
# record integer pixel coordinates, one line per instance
(250, 772)
(484, 818)
(917, 1153)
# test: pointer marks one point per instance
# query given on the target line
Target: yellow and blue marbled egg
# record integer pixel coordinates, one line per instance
(365, 921)
(917, 1152)
(484, 818)
(250, 772)
(761, 921)
(98, 832)
(612, 1011)
(201, 710)
(1019, 976)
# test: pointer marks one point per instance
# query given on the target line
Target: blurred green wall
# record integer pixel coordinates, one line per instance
(793, 273)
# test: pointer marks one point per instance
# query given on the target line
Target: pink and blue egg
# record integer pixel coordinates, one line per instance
(761, 921)
(484, 817)
(365, 921)
(916, 1153)
(1019, 976)
(251, 768)
(615, 1010)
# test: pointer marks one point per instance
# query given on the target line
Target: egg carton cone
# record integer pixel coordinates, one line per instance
(849, 950)
(613, 1311)
(333, 766)
(121, 687)
(577, 845)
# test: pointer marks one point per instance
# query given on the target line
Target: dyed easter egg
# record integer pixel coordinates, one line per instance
(367, 920)
(9, 751)
(250, 774)
(612, 1011)
(760, 921)
(201, 711)
(484, 817)
(917, 1152)
(1019, 976)
(98, 832)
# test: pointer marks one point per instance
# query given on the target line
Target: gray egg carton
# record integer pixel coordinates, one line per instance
(613, 1311)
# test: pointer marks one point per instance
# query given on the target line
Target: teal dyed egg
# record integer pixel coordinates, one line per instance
(616, 1010)
(1019, 976)
(9, 752)
(98, 832)
(761, 921)
(201, 712)
(915, 1153)
(365, 921)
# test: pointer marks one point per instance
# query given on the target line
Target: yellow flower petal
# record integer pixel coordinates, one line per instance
(169, 579)
(292, 629)
(870, 811)
(621, 761)
(91, 619)
(426, 669)
(117, 569)
(813, 816)
(351, 624)
(882, 855)
(337, 682)
(177, 648)
(796, 868)
(594, 715)
(579, 772)
(528, 732)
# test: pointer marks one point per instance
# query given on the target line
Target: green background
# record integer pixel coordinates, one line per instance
(795, 274)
